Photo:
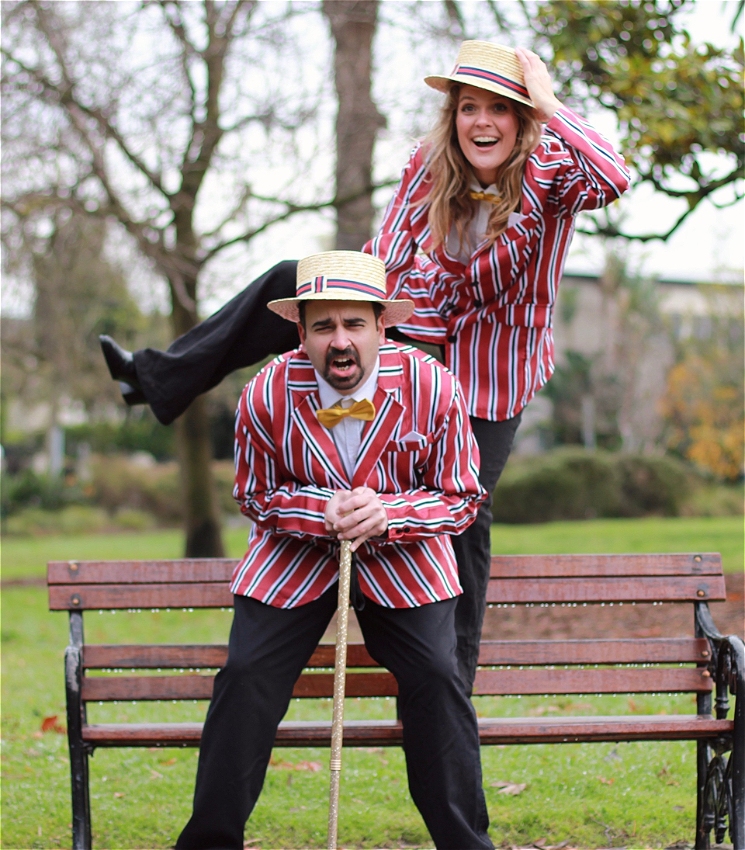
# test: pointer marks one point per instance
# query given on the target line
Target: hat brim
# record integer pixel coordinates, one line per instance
(395, 312)
(443, 84)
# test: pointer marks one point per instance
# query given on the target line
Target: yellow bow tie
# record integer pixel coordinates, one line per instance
(330, 416)
(484, 196)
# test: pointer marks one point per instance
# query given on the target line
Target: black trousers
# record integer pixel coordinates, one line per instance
(243, 332)
(473, 546)
(269, 647)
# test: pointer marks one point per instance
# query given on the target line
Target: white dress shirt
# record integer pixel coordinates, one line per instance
(347, 434)
(475, 231)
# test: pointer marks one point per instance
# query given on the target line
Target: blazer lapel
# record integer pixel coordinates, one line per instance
(304, 392)
(319, 441)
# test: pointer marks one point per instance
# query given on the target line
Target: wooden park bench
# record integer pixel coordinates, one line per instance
(708, 665)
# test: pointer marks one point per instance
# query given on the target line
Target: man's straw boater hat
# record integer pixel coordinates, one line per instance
(342, 276)
(487, 66)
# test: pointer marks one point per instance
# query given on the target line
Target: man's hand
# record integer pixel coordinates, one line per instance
(355, 515)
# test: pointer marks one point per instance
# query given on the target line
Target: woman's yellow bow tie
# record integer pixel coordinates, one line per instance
(484, 196)
(331, 416)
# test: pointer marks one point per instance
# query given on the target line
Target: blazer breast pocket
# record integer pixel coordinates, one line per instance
(411, 443)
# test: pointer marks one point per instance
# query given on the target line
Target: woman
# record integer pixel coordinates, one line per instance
(476, 235)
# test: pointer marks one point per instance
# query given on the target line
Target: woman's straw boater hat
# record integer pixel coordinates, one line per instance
(342, 276)
(487, 66)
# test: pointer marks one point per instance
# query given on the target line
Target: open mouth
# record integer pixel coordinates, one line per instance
(485, 141)
(341, 364)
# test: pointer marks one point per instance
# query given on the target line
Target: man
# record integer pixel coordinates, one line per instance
(348, 437)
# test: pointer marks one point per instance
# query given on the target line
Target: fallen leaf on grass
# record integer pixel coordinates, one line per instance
(666, 776)
(606, 781)
(512, 788)
(50, 724)
(168, 762)
(118, 794)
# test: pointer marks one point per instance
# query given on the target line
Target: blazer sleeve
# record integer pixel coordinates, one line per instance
(264, 493)
(448, 494)
(395, 243)
(592, 174)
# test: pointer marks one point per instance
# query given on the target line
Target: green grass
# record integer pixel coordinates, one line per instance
(601, 795)
(725, 535)
(27, 557)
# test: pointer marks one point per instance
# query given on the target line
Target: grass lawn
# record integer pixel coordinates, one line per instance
(601, 795)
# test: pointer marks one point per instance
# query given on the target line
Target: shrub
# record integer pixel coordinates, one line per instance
(75, 519)
(29, 490)
(574, 483)
(119, 483)
(652, 485)
(137, 433)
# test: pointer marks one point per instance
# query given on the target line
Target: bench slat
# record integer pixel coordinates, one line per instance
(141, 572)
(503, 730)
(500, 591)
(186, 687)
(66, 597)
(492, 652)
(544, 566)
(600, 680)
(153, 656)
(609, 651)
(186, 570)
(531, 680)
(613, 589)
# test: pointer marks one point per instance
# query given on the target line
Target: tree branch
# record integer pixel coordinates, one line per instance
(66, 96)
(290, 210)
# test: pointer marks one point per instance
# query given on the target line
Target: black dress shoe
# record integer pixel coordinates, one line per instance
(131, 395)
(122, 368)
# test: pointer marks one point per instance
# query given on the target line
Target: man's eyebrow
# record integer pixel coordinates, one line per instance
(322, 323)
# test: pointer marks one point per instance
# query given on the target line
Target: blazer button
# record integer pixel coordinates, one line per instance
(478, 303)
(406, 529)
(452, 339)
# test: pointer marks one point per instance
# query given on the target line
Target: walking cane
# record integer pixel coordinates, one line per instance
(340, 672)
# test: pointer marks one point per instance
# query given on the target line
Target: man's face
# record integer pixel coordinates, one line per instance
(342, 339)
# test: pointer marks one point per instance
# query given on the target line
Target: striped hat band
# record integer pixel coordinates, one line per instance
(487, 66)
(342, 276)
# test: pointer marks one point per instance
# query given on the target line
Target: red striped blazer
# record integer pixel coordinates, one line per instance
(418, 454)
(493, 316)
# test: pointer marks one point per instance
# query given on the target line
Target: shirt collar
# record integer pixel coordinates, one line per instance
(329, 396)
(491, 189)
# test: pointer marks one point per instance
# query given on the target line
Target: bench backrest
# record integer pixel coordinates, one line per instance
(506, 667)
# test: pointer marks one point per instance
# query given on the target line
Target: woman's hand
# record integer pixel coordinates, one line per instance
(539, 84)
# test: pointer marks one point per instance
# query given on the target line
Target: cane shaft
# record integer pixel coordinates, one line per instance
(340, 671)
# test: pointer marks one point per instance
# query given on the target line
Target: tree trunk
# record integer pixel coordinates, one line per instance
(198, 491)
(353, 25)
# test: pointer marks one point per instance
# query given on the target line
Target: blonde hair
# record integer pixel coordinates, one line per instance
(450, 173)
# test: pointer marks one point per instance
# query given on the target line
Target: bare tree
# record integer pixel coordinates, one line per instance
(152, 117)
(353, 24)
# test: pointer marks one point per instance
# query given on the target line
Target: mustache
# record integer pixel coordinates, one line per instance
(347, 352)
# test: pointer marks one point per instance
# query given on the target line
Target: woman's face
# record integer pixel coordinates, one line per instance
(487, 129)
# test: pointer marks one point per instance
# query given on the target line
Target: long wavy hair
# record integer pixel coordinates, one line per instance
(451, 174)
